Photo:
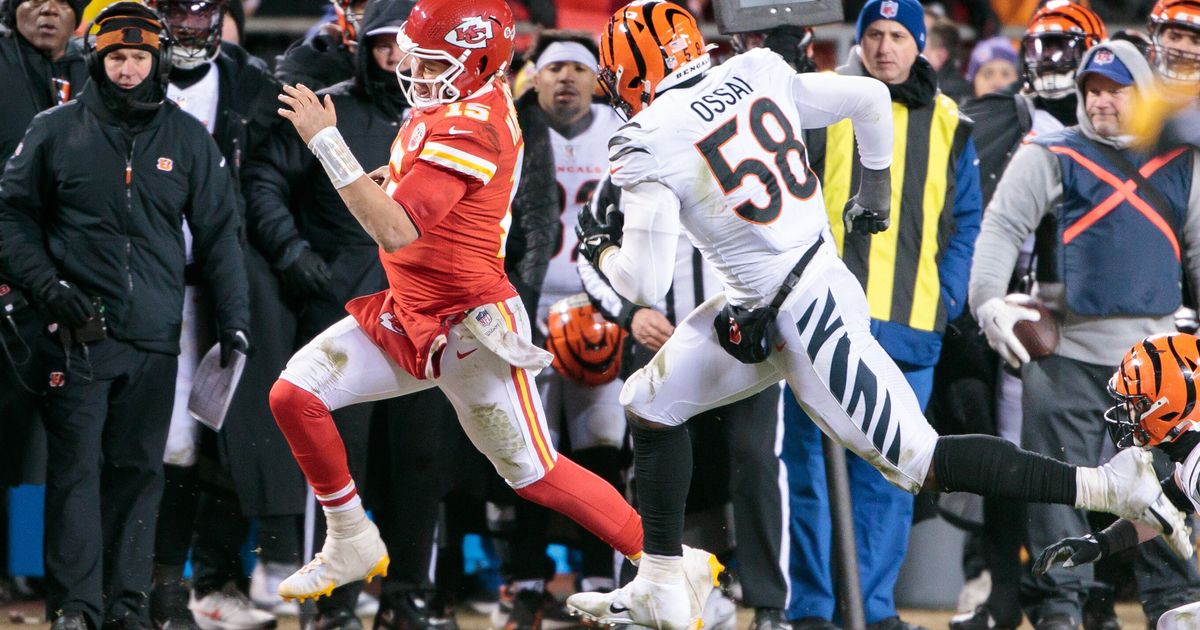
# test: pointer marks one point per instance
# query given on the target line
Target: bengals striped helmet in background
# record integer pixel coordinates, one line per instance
(1155, 390)
(649, 46)
(1175, 39)
(1054, 43)
(586, 347)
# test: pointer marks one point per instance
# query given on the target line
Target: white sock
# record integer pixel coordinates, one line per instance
(661, 569)
(346, 523)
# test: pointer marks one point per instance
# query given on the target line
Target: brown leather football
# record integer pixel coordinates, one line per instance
(1040, 338)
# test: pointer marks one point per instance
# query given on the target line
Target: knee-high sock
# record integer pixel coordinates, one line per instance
(590, 501)
(663, 468)
(316, 444)
(992, 466)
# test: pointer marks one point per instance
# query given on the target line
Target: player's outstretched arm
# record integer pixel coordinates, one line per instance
(316, 121)
(824, 99)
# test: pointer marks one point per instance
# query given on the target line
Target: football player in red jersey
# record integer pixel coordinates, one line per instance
(440, 212)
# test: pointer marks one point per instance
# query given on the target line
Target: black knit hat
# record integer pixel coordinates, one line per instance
(8, 11)
(127, 25)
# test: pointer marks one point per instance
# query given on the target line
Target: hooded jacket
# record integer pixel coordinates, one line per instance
(1031, 189)
(291, 205)
(89, 199)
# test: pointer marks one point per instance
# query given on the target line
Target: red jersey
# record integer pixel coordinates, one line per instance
(458, 262)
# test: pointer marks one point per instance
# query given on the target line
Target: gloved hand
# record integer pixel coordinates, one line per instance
(1125, 485)
(233, 339)
(997, 318)
(869, 210)
(594, 236)
(1163, 517)
(1069, 552)
(308, 275)
(66, 303)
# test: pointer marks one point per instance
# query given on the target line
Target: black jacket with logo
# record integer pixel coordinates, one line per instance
(87, 198)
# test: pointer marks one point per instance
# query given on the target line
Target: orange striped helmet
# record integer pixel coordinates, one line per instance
(1155, 390)
(1170, 58)
(648, 46)
(1054, 43)
(586, 347)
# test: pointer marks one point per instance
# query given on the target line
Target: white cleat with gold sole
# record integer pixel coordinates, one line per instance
(341, 561)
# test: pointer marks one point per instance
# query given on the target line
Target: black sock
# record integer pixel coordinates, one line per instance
(663, 470)
(992, 466)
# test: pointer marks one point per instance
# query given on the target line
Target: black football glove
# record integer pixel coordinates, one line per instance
(594, 236)
(66, 303)
(869, 211)
(308, 275)
(233, 339)
(1069, 552)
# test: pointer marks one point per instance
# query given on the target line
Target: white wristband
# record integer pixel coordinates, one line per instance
(340, 164)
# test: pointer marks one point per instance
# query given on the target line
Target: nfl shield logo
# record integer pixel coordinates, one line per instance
(483, 317)
(1103, 57)
(889, 9)
(57, 379)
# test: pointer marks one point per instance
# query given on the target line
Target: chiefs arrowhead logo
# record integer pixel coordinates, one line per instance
(472, 32)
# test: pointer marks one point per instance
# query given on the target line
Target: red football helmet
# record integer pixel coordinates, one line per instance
(474, 37)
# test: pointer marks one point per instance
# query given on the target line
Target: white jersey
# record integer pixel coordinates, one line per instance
(579, 165)
(730, 148)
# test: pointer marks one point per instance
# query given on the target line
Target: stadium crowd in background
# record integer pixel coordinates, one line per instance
(154, 203)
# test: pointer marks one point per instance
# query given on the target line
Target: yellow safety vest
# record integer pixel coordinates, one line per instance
(898, 267)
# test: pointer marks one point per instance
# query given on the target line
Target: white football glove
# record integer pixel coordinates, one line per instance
(997, 318)
(1163, 517)
(1126, 485)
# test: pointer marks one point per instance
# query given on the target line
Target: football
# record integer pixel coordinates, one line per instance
(1040, 338)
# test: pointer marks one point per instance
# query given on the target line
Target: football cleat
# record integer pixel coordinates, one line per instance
(341, 561)
(702, 573)
(642, 603)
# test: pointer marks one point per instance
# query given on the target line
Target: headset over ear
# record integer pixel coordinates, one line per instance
(127, 25)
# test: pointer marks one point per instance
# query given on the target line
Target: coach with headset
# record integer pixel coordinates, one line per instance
(91, 210)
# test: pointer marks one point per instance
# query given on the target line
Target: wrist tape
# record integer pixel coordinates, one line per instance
(340, 164)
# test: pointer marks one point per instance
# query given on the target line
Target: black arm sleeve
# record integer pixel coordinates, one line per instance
(214, 217)
(26, 192)
(267, 180)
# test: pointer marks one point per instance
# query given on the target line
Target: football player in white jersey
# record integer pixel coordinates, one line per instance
(1155, 388)
(717, 152)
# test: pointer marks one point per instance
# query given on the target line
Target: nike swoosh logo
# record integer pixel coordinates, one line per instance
(613, 171)
(458, 132)
(613, 608)
(463, 355)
